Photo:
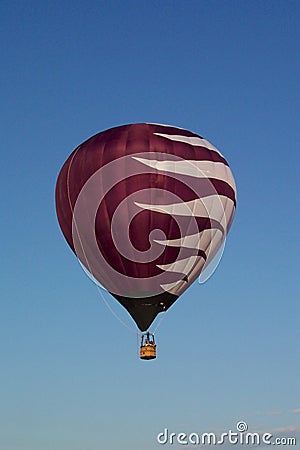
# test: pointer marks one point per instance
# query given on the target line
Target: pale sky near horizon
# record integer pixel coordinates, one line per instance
(228, 350)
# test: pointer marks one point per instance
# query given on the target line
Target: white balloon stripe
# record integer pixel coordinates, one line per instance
(172, 288)
(193, 168)
(194, 241)
(192, 140)
(164, 125)
(186, 241)
(210, 207)
(183, 266)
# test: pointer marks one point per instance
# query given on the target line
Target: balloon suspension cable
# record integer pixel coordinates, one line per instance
(159, 323)
(133, 330)
(138, 334)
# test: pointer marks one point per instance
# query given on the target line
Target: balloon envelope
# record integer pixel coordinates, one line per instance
(145, 208)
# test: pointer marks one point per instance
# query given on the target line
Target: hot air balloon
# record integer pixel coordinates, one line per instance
(145, 208)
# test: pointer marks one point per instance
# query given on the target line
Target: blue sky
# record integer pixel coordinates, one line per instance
(229, 349)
